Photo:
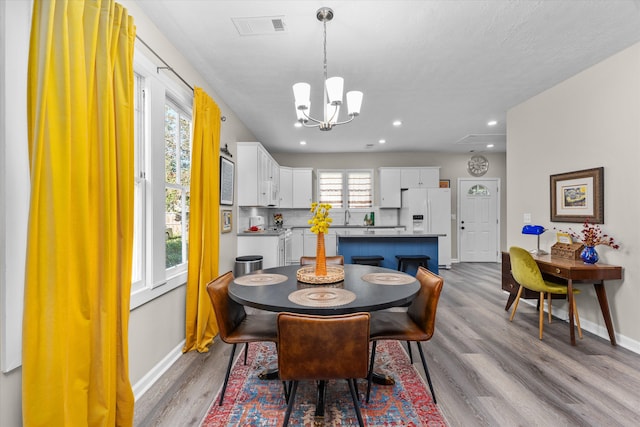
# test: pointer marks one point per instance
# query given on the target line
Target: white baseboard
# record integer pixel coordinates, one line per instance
(156, 372)
(594, 328)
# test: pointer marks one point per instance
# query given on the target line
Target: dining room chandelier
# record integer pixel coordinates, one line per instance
(332, 92)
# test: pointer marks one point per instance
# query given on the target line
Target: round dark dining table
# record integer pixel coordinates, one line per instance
(368, 296)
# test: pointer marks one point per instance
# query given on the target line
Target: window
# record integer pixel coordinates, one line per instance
(162, 168)
(350, 189)
(177, 165)
(478, 190)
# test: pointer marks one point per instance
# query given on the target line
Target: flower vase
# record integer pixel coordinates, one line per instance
(321, 258)
(589, 255)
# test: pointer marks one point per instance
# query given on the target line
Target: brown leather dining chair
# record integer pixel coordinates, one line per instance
(321, 348)
(415, 324)
(234, 324)
(331, 260)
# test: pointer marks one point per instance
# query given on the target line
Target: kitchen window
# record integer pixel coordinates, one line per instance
(351, 188)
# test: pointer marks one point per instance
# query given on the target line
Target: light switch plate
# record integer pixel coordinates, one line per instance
(526, 218)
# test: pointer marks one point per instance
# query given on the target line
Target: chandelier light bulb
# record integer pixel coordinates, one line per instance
(332, 91)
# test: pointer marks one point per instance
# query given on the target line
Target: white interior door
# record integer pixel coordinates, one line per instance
(478, 222)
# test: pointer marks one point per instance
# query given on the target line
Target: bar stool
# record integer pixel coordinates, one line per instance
(375, 260)
(405, 260)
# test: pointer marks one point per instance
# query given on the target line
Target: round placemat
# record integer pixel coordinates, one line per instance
(322, 297)
(260, 279)
(388, 278)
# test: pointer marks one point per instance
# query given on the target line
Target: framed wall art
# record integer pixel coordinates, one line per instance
(577, 196)
(227, 221)
(227, 168)
(445, 183)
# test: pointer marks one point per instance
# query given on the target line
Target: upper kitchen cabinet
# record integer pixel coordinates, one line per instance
(258, 176)
(295, 187)
(390, 185)
(423, 177)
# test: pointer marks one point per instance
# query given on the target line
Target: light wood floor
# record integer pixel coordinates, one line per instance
(486, 370)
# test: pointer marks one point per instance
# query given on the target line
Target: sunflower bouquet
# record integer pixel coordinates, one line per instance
(321, 221)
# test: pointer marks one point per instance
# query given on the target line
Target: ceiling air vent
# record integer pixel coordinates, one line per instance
(260, 25)
(483, 138)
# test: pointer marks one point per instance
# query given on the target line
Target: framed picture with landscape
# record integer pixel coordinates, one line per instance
(577, 196)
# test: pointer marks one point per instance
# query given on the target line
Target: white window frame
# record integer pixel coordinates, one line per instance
(158, 87)
(345, 185)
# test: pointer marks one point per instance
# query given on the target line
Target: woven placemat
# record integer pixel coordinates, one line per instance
(388, 278)
(260, 279)
(322, 297)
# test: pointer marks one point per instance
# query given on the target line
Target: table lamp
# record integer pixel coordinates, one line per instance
(536, 230)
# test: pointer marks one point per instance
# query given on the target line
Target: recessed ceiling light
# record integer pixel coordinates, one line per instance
(397, 123)
(303, 142)
(382, 141)
(489, 145)
(298, 125)
(492, 123)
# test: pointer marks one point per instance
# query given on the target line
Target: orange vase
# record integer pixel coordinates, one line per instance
(321, 258)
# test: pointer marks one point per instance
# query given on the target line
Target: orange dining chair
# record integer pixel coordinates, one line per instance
(234, 324)
(416, 324)
(321, 348)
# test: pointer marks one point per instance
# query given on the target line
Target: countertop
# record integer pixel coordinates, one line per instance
(263, 233)
(383, 233)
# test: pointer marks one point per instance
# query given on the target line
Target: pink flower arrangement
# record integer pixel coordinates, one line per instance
(591, 235)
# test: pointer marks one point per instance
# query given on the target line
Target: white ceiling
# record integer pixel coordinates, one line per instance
(445, 68)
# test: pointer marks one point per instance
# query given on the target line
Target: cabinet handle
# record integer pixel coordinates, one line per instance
(557, 270)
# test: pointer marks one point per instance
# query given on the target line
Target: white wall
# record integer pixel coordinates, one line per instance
(590, 120)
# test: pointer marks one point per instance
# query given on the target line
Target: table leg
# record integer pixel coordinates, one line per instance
(510, 300)
(572, 331)
(604, 308)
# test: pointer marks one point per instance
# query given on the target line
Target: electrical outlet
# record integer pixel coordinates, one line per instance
(526, 218)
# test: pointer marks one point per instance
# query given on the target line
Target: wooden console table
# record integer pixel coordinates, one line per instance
(570, 272)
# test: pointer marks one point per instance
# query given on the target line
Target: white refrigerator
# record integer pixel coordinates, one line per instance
(428, 210)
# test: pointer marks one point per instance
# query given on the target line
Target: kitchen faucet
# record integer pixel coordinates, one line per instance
(347, 216)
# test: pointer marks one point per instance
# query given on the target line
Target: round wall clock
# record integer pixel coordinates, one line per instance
(478, 165)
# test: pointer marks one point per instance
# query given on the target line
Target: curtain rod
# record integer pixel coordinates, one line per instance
(167, 66)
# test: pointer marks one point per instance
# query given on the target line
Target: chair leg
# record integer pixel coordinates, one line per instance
(426, 372)
(355, 386)
(410, 354)
(292, 398)
(356, 405)
(549, 304)
(246, 351)
(575, 311)
(370, 376)
(541, 316)
(286, 391)
(226, 377)
(515, 303)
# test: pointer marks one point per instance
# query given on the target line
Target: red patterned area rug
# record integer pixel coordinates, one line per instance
(250, 401)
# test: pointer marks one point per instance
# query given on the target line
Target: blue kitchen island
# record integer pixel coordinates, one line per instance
(388, 243)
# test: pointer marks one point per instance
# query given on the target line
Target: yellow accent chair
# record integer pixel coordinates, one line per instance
(526, 272)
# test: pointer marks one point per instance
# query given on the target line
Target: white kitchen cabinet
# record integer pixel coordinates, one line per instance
(257, 176)
(295, 187)
(267, 246)
(389, 184)
(297, 245)
(422, 177)
(302, 188)
(286, 187)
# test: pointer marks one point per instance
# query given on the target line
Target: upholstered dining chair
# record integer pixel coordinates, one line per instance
(415, 324)
(234, 324)
(321, 348)
(526, 273)
(331, 260)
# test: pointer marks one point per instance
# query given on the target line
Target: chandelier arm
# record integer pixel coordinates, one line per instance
(346, 121)
(311, 118)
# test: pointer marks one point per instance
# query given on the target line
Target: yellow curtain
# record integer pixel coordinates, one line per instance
(204, 222)
(80, 236)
